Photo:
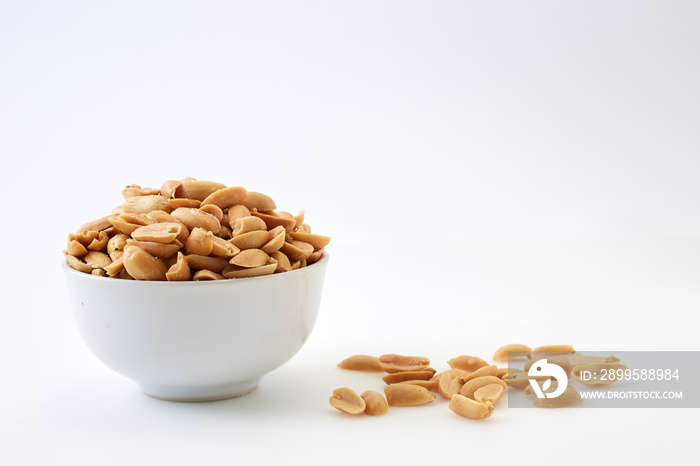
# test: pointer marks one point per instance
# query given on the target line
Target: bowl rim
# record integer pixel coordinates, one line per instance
(68, 269)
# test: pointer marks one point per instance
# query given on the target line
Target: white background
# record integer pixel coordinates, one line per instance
(490, 172)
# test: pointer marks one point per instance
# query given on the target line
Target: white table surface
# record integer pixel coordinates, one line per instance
(59, 405)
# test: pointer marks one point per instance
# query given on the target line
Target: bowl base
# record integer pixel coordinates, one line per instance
(201, 393)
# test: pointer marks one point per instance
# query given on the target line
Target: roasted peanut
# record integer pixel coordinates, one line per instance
(223, 248)
(471, 386)
(128, 223)
(427, 384)
(246, 224)
(193, 218)
(314, 257)
(215, 264)
(402, 394)
(375, 404)
(489, 393)
(213, 210)
(99, 224)
(196, 189)
(511, 351)
(361, 362)
(482, 371)
(277, 236)
(116, 243)
(297, 250)
(157, 232)
(200, 242)
(258, 201)
(398, 377)
(99, 243)
(159, 250)
(346, 400)
(146, 204)
(85, 238)
(158, 216)
(180, 271)
(205, 275)
(316, 241)
(467, 363)
(551, 350)
(97, 260)
(297, 264)
(451, 382)
(399, 363)
(520, 380)
(115, 267)
(143, 266)
(298, 221)
(78, 265)
(76, 249)
(469, 408)
(235, 212)
(226, 197)
(250, 258)
(168, 188)
(251, 240)
(179, 202)
(272, 220)
(234, 271)
(136, 190)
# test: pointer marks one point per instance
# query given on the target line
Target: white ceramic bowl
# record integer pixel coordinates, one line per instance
(196, 341)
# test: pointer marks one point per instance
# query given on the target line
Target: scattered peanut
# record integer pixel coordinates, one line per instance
(489, 393)
(398, 363)
(551, 350)
(193, 230)
(375, 404)
(469, 408)
(451, 382)
(403, 394)
(483, 371)
(346, 400)
(474, 387)
(361, 362)
(398, 377)
(467, 363)
(427, 384)
(515, 350)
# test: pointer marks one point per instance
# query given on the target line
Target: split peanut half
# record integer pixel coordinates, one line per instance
(346, 400)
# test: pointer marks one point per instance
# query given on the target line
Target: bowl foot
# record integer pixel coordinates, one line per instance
(199, 393)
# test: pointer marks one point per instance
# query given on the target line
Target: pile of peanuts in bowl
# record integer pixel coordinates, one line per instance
(193, 230)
